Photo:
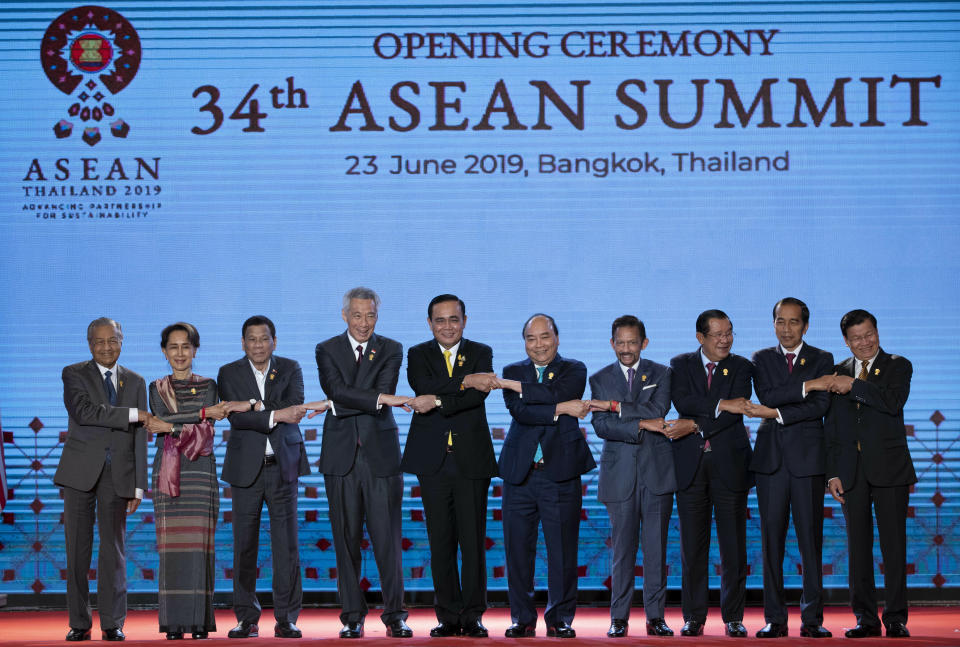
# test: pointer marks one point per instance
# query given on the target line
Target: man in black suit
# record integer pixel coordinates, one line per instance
(868, 463)
(103, 473)
(360, 459)
(541, 461)
(711, 451)
(637, 480)
(265, 456)
(788, 461)
(449, 449)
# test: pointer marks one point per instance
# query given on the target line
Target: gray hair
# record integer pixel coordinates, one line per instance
(361, 293)
(103, 321)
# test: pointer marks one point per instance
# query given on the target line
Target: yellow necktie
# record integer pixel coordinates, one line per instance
(446, 358)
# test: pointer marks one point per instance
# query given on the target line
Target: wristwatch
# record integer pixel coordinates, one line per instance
(437, 403)
(253, 404)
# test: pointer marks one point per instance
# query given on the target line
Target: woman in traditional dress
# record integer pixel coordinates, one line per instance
(186, 495)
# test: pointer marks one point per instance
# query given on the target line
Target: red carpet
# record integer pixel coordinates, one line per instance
(929, 626)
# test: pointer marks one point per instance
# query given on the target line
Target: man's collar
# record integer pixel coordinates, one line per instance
(795, 351)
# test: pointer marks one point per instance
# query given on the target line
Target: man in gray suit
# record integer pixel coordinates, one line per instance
(103, 473)
(360, 459)
(637, 481)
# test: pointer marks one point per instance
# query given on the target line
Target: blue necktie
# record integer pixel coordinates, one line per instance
(539, 455)
(108, 387)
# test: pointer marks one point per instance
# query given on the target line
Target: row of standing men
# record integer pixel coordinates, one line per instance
(820, 424)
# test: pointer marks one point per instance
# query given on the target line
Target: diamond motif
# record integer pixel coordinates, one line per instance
(937, 418)
(36, 425)
(83, 96)
(91, 84)
(37, 586)
(92, 135)
(98, 96)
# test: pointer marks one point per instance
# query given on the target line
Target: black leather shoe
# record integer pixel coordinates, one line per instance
(692, 628)
(244, 630)
(474, 629)
(200, 635)
(897, 630)
(113, 635)
(658, 627)
(520, 631)
(773, 630)
(76, 635)
(445, 630)
(174, 635)
(561, 630)
(286, 630)
(352, 630)
(861, 631)
(814, 631)
(618, 628)
(735, 630)
(399, 629)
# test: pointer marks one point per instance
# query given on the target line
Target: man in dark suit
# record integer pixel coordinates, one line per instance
(711, 451)
(868, 463)
(788, 461)
(265, 456)
(637, 480)
(449, 449)
(103, 473)
(541, 461)
(360, 459)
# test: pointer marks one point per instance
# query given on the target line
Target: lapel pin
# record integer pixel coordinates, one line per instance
(876, 371)
(803, 360)
(725, 371)
(193, 391)
(550, 375)
(120, 382)
(643, 378)
(460, 360)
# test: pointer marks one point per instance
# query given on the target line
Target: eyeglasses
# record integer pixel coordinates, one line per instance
(720, 336)
(866, 337)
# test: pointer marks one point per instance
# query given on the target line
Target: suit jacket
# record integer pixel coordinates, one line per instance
(565, 451)
(726, 433)
(354, 390)
(798, 442)
(249, 430)
(462, 411)
(877, 424)
(94, 426)
(629, 454)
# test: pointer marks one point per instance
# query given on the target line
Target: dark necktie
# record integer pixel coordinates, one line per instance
(108, 387)
(630, 373)
(863, 371)
(710, 367)
(359, 353)
(538, 455)
(790, 357)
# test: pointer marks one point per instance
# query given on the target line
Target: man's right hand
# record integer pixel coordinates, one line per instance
(143, 417)
(391, 400)
(481, 382)
(292, 414)
(735, 405)
(835, 487)
(575, 408)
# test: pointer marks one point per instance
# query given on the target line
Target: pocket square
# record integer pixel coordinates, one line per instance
(648, 387)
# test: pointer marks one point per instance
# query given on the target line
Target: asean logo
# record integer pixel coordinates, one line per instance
(90, 53)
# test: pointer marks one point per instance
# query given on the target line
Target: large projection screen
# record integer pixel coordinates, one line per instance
(207, 161)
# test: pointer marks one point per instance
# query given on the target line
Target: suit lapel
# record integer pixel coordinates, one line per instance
(369, 359)
(270, 377)
(121, 382)
(848, 366)
(458, 368)
(879, 365)
(94, 374)
(697, 367)
(344, 357)
(436, 356)
(246, 371)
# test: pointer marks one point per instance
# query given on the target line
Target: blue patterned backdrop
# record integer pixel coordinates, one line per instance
(212, 228)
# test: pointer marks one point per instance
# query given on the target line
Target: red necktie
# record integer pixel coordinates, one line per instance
(710, 367)
(359, 353)
(790, 357)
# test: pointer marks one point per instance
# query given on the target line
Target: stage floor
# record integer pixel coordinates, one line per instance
(929, 626)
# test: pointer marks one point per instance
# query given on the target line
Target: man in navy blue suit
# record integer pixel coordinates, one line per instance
(788, 461)
(637, 479)
(542, 459)
(710, 390)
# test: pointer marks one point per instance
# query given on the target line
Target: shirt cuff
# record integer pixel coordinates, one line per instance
(779, 416)
(133, 416)
(333, 409)
(270, 422)
(716, 412)
(379, 406)
(803, 390)
(138, 494)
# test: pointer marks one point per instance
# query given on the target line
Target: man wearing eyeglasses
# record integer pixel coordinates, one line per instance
(711, 452)
(869, 464)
